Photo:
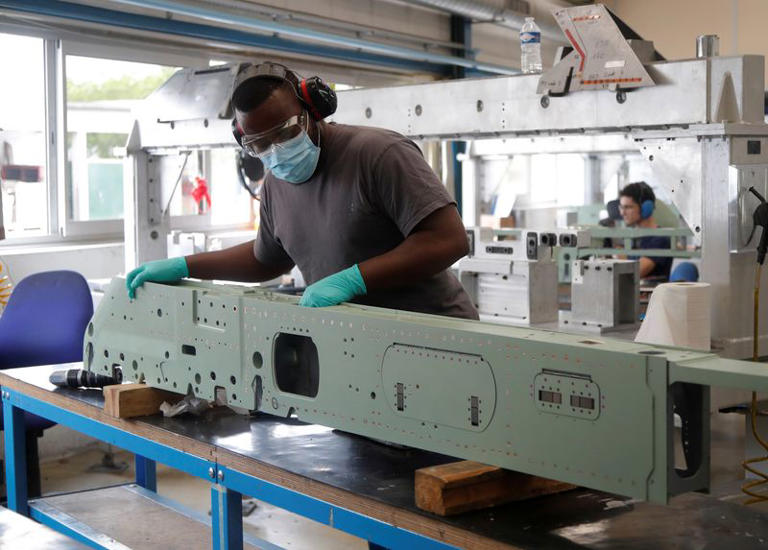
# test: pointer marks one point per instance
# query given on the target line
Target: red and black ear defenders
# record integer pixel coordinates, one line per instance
(314, 93)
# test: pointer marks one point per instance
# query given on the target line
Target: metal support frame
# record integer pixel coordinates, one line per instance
(49, 515)
(226, 517)
(354, 523)
(461, 31)
(228, 484)
(146, 473)
(515, 280)
(604, 296)
(705, 150)
(15, 456)
(53, 114)
(458, 148)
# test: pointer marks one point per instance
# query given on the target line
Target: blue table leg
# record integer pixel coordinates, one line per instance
(226, 518)
(15, 457)
(146, 473)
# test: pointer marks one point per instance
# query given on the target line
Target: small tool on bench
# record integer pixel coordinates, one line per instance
(80, 378)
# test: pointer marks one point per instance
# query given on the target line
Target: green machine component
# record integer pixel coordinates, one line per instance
(623, 238)
(593, 412)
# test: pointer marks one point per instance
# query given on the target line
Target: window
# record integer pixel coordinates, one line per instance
(180, 176)
(65, 118)
(557, 179)
(100, 95)
(23, 144)
(507, 178)
(232, 202)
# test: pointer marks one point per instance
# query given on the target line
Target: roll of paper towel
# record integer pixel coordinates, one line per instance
(678, 315)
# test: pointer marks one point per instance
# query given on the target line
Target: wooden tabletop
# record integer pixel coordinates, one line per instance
(377, 480)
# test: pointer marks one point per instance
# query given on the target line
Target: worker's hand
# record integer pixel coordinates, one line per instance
(159, 271)
(334, 289)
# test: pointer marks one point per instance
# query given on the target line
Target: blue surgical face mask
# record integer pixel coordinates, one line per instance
(294, 160)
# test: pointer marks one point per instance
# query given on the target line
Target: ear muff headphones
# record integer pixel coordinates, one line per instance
(647, 204)
(646, 209)
(319, 98)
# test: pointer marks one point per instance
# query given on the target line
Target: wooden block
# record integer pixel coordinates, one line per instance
(130, 400)
(462, 486)
(509, 221)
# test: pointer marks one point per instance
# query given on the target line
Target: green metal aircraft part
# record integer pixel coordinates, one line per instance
(591, 411)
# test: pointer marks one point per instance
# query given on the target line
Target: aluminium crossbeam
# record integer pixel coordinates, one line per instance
(594, 412)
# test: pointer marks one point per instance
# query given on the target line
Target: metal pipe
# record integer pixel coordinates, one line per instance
(305, 34)
(480, 11)
(357, 72)
(264, 10)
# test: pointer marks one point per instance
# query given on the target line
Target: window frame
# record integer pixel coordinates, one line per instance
(49, 104)
(85, 48)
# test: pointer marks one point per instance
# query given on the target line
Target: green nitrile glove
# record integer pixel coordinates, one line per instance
(334, 289)
(158, 271)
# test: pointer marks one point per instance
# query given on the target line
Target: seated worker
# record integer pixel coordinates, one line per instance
(614, 214)
(636, 204)
(357, 209)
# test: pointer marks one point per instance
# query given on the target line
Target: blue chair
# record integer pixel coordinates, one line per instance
(44, 323)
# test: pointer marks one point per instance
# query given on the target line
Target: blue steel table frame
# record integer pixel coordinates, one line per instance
(226, 492)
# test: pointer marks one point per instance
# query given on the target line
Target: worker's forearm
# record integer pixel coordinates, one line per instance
(420, 256)
(236, 263)
(646, 267)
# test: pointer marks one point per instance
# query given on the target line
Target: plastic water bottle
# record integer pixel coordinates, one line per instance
(530, 47)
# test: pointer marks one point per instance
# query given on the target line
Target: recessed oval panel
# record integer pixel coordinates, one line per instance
(439, 387)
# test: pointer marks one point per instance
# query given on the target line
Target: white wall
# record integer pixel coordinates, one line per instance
(93, 261)
(674, 26)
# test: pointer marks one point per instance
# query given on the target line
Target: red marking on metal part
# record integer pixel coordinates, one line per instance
(572, 40)
(611, 81)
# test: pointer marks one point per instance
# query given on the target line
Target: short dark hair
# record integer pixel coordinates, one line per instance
(639, 192)
(255, 91)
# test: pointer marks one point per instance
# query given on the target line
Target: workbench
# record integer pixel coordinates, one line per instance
(351, 483)
(17, 531)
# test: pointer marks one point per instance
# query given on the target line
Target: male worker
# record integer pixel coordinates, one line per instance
(357, 209)
(636, 204)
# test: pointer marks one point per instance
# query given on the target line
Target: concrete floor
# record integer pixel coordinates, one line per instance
(727, 452)
(292, 531)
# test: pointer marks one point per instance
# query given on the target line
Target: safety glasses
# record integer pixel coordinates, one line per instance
(262, 143)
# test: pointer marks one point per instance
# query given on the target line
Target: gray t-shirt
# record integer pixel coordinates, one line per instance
(370, 189)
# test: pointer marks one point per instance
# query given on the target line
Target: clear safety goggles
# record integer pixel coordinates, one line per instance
(262, 143)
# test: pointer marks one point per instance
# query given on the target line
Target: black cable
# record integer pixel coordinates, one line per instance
(760, 217)
(755, 488)
(751, 234)
(250, 173)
